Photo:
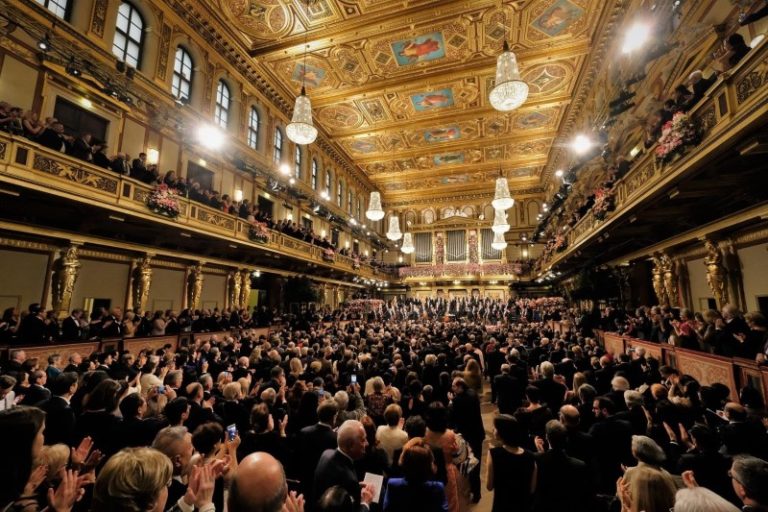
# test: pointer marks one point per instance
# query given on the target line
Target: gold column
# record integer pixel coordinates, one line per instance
(63, 280)
(140, 283)
(716, 274)
(658, 280)
(671, 283)
(194, 286)
(233, 289)
(245, 287)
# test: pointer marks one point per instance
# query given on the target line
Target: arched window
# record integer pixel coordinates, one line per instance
(340, 194)
(223, 102)
(278, 156)
(297, 162)
(359, 208)
(60, 8)
(181, 85)
(129, 35)
(328, 181)
(314, 174)
(350, 202)
(253, 128)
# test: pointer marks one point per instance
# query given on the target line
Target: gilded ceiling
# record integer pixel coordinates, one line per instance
(401, 86)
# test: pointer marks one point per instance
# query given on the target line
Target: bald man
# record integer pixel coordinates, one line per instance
(259, 484)
(579, 445)
(336, 467)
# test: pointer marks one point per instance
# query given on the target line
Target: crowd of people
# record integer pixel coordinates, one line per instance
(381, 411)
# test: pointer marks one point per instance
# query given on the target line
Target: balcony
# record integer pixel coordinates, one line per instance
(485, 271)
(53, 190)
(720, 176)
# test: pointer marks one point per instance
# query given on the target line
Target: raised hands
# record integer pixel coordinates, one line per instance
(294, 502)
(67, 493)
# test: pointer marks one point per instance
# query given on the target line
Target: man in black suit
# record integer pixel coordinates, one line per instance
(562, 482)
(509, 391)
(120, 164)
(53, 138)
(312, 442)
(70, 327)
(200, 410)
(139, 167)
(82, 149)
(36, 392)
(60, 417)
(552, 392)
(579, 444)
(466, 419)
(613, 443)
(336, 467)
(32, 328)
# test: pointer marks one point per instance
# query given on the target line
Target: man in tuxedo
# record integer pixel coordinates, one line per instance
(60, 417)
(82, 149)
(509, 391)
(120, 165)
(552, 391)
(111, 325)
(139, 167)
(562, 482)
(336, 467)
(36, 392)
(70, 327)
(614, 443)
(579, 444)
(53, 138)
(259, 484)
(466, 419)
(313, 441)
(32, 328)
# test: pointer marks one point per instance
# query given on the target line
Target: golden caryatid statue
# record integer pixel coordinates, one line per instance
(142, 280)
(670, 279)
(245, 287)
(716, 275)
(65, 274)
(194, 286)
(658, 281)
(233, 283)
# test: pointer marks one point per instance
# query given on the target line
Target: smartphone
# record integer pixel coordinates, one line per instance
(161, 390)
(353, 378)
(232, 432)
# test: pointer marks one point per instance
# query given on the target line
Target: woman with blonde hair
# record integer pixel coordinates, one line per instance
(649, 491)
(296, 367)
(473, 376)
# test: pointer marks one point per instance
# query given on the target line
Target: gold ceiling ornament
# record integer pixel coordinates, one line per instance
(374, 211)
(500, 224)
(499, 242)
(407, 247)
(509, 91)
(301, 130)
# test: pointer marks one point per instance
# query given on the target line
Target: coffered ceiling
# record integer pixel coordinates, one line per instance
(402, 85)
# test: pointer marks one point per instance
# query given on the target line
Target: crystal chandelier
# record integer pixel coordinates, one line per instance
(500, 224)
(394, 232)
(407, 247)
(499, 242)
(301, 130)
(510, 91)
(502, 199)
(374, 211)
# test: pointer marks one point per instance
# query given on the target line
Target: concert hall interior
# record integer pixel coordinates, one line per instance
(383, 255)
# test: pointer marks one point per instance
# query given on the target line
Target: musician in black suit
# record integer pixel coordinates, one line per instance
(60, 417)
(70, 327)
(312, 441)
(336, 467)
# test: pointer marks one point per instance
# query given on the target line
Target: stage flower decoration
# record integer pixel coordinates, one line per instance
(259, 232)
(164, 201)
(675, 136)
(328, 254)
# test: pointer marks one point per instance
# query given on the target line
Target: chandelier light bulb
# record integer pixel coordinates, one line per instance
(407, 247)
(500, 224)
(581, 144)
(301, 130)
(502, 199)
(394, 232)
(499, 242)
(374, 211)
(510, 91)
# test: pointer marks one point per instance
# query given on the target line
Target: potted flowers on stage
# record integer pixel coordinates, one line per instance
(258, 232)
(328, 254)
(164, 201)
(604, 202)
(676, 135)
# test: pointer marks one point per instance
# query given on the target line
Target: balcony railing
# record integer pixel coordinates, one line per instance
(26, 164)
(731, 105)
(465, 270)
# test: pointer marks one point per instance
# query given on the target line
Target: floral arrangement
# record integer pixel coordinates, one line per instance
(328, 254)
(164, 200)
(604, 202)
(560, 243)
(356, 262)
(258, 232)
(675, 135)
(463, 269)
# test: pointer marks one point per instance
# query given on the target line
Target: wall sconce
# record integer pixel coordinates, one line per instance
(238, 195)
(289, 216)
(153, 156)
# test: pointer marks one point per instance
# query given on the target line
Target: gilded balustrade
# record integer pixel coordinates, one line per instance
(26, 164)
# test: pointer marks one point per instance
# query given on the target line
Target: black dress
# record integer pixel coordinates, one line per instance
(512, 480)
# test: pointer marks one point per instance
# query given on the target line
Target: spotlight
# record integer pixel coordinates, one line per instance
(285, 170)
(44, 44)
(636, 37)
(559, 173)
(291, 181)
(72, 68)
(581, 144)
(324, 195)
(210, 137)
(352, 222)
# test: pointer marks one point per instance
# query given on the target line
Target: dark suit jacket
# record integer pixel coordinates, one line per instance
(82, 150)
(35, 394)
(59, 421)
(552, 393)
(509, 393)
(562, 483)
(51, 140)
(612, 449)
(70, 329)
(120, 166)
(466, 418)
(311, 443)
(335, 468)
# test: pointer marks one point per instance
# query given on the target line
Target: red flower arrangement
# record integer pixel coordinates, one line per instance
(258, 232)
(604, 202)
(164, 200)
(675, 135)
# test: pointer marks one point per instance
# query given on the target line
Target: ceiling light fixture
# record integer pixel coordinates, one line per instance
(499, 242)
(374, 212)
(510, 91)
(502, 199)
(636, 37)
(407, 247)
(500, 224)
(394, 232)
(301, 130)
(581, 144)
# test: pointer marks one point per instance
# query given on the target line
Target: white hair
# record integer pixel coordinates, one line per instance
(347, 432)
(701, 499)
(547, 369)
(620, 384)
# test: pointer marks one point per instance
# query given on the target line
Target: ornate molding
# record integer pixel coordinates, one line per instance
(76, 174)
(99, 17)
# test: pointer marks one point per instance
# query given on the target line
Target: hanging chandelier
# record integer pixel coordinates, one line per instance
(374, 211)
(407, 247)
(499, 242)
(301, 130)
(394, 232)
(500, 224)
(510, 91)
(502, 199)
